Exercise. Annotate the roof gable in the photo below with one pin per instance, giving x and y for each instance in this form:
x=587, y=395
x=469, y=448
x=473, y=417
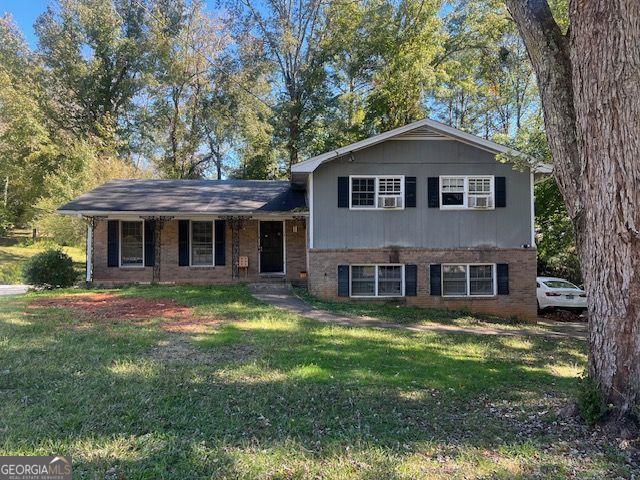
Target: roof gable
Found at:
x=425, y=129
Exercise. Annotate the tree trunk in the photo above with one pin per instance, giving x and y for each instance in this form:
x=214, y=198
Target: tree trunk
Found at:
x=605, y=55
x=590, y=88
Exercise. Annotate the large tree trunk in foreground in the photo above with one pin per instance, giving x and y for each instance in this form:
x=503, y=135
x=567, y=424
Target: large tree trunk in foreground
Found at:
x=589, y=83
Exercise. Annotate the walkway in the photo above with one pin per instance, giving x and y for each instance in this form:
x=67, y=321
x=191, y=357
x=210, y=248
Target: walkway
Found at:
x=13, y=289
x=282, y=297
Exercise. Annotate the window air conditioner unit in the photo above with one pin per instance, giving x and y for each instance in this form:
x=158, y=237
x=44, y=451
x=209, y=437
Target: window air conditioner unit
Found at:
x=390, y=202
x=480, y=201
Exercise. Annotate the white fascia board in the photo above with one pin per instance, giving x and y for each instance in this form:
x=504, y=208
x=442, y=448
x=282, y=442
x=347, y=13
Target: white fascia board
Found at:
x=130, y=213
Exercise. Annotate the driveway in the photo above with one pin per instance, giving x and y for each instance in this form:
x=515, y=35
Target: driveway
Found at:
x=13, y=290
x=282, y=297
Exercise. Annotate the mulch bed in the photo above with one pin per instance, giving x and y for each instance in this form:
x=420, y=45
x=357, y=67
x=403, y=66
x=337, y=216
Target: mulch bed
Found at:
x=111, y=307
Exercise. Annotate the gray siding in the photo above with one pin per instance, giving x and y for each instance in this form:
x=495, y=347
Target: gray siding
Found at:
x=421, y=227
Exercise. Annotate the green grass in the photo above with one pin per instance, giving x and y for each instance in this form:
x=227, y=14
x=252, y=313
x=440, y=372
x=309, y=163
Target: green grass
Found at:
x=267, y=394
x=12, y=259
x=407, y=315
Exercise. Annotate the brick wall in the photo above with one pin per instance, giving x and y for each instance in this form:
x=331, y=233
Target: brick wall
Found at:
x=521, y=301
x=170, y=272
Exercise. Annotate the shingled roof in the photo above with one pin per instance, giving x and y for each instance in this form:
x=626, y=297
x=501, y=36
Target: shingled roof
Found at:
x=189, y=196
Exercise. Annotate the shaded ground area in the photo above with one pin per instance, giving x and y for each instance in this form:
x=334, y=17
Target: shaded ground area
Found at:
x=269, y=394
x=332, y=312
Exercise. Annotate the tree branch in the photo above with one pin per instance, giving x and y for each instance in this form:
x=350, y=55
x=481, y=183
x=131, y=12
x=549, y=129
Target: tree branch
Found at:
x=549, y=53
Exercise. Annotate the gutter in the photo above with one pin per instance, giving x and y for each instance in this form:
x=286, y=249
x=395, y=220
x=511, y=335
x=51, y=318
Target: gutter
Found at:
x=143, y=213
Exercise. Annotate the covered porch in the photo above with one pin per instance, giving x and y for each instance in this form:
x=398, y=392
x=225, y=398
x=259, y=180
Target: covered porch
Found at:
x=124, y=249
x=194, y=231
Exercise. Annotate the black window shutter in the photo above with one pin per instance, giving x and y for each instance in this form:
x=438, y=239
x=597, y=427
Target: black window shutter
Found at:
x=343, y=280
x=149, y=243
x=435, y=279
x=343, y=192
x=503, y=278
x=183, y=243
x=501, y=191
x=433, y=187
x=410, y=192
x=113, y=242
x=411, y=280
x=220, y=242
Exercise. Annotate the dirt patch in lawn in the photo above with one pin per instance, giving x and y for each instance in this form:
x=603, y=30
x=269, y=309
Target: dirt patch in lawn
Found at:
x=110, y=307
x=177, y=349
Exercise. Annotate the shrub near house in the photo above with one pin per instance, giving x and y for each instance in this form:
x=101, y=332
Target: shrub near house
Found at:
x=50, y=269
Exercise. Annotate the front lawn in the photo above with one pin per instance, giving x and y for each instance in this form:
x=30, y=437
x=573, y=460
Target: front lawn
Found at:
x=233, y=388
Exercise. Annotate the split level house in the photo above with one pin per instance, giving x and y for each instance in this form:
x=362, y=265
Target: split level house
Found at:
x=424, y=214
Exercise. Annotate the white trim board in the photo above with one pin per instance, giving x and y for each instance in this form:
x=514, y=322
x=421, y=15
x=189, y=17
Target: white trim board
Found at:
x=116, y=214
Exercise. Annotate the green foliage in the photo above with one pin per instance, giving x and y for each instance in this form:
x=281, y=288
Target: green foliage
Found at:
x=50, y=269
x=591, y=404
x=184, y=112
x=10, y=274
x=557, y=255
x=488, y=87
x=95, y=52
x=27, y=151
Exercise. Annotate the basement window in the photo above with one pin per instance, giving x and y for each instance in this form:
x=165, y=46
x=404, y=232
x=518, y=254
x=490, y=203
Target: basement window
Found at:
x=377, y=280
x=468, y=280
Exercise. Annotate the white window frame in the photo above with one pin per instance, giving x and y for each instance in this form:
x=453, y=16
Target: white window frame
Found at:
x=120, y=265
x=467, y=265
x=213, y=244
x=376, y=193
x=375, y=288
x=465, y=194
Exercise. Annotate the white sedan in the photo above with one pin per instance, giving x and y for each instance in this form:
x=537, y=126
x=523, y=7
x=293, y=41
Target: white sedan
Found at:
x=559, y=293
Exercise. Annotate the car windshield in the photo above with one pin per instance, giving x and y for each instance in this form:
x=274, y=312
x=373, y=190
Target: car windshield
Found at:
x=559, y=284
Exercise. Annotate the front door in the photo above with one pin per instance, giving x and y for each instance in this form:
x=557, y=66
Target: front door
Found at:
x=271, y=247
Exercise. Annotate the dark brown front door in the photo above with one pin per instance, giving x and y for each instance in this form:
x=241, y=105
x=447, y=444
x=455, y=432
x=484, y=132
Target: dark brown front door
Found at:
x=271, y=247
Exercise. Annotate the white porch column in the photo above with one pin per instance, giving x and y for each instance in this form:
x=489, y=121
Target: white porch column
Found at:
x=89, y=262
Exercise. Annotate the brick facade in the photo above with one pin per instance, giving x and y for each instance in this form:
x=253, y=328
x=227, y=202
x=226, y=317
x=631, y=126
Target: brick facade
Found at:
x=521, y=301
x=323, y=267
x=170, y=272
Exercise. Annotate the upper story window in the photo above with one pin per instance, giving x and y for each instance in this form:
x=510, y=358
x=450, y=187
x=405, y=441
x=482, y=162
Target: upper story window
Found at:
x=462, y=192
x=202, y=244
x=376, y=192
x=132, y=244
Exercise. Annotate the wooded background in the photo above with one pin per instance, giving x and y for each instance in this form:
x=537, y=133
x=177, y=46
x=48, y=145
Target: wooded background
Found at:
x=171, y=89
